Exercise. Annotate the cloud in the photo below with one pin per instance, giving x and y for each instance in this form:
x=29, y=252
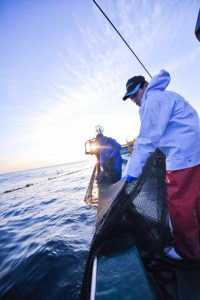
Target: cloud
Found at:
x=78, y=76
x=184, y=60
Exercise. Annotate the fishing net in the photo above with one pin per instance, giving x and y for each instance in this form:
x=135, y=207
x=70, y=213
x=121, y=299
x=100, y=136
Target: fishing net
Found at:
x=134, y=212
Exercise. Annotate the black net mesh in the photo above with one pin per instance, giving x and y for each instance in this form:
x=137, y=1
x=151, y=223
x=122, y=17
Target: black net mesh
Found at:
x=138, y=212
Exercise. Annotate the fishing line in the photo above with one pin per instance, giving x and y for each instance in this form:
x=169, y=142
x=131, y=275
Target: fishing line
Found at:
x=122, y=37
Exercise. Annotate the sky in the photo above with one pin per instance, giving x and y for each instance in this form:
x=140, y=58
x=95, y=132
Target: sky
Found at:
x=63, y=70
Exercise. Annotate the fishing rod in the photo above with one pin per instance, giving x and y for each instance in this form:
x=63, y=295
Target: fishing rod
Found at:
x=122, y=37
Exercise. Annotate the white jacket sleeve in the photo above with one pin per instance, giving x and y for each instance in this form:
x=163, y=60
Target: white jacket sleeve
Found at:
x=155, y=115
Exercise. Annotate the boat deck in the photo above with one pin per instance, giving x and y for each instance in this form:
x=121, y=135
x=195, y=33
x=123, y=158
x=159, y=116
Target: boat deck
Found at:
x=121, y=273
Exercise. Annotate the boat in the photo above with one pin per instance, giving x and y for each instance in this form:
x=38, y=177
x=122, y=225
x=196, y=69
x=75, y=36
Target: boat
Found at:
x=126, y=259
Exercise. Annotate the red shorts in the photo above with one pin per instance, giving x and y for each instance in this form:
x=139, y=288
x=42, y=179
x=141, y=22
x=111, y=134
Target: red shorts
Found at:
x=183, y=197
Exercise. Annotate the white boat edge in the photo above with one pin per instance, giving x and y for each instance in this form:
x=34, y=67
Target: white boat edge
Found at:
x=94, y=279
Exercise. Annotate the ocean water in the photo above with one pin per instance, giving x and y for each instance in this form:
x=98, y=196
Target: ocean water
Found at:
x=45, y=232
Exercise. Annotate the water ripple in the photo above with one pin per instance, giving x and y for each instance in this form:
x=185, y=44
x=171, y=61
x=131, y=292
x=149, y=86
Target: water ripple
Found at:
x=45, y=232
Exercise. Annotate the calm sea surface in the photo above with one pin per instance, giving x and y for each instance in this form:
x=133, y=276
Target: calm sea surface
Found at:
x=45, y=232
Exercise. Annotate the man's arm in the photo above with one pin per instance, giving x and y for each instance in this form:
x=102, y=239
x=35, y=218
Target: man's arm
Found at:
x=155, y=118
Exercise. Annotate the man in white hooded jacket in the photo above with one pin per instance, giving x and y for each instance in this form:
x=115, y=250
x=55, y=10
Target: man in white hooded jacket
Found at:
x=170, y=123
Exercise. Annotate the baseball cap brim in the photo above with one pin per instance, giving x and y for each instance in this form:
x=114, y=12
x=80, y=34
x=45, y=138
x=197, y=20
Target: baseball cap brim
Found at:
x=131, y=92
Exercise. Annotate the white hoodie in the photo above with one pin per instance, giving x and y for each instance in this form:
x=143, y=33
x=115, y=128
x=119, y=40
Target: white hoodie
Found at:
x=168, y=122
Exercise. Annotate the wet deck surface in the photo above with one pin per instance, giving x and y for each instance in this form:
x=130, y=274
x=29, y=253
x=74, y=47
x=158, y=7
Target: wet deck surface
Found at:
x=107, y=194
x=102, y=193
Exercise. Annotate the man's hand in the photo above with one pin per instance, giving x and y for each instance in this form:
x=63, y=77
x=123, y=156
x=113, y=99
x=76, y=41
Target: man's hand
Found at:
x=129, y=178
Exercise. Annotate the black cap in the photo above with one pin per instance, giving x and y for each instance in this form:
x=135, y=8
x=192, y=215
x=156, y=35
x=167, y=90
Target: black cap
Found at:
x=133, y=85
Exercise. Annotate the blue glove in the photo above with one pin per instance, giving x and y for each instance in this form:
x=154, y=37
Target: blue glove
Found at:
x=129, y=178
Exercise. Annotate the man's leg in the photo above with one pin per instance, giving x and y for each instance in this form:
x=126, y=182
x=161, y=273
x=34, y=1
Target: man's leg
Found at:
x=183, y=195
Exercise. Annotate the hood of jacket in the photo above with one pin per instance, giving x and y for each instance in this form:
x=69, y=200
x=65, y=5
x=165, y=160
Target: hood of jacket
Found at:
x=158, y=82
